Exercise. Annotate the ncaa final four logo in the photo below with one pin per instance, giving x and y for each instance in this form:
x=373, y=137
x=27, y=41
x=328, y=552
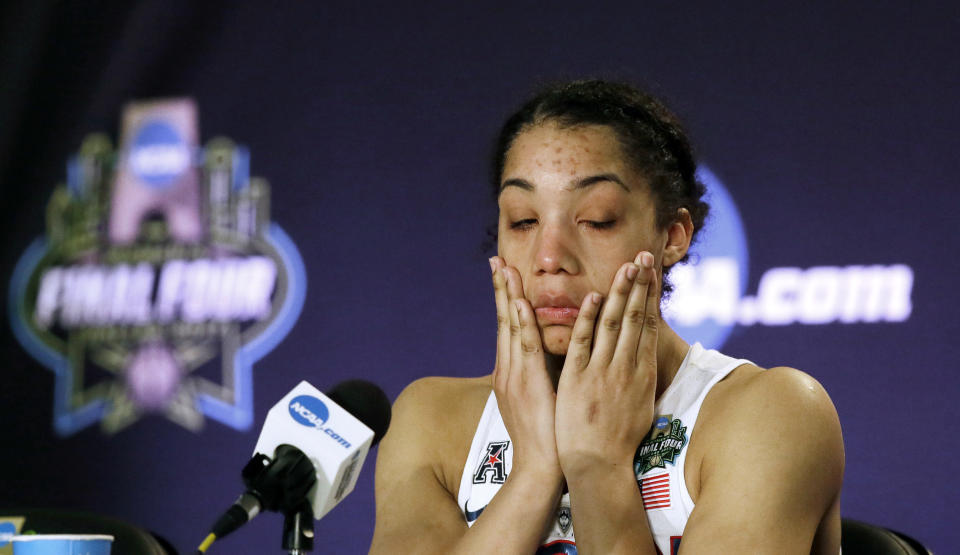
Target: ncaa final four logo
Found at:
x=160, y=280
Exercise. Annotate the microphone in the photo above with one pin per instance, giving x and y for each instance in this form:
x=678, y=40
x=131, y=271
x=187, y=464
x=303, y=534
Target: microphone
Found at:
x=308, y=456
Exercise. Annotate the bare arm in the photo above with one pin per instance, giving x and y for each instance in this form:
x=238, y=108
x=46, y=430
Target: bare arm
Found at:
x=772, y=471
x=416, y=497
x=608, y=396
x=769, y=481
x=773, y=460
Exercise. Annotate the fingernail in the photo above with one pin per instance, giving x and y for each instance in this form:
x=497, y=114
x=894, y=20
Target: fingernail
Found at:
x=632, y=272
x=516, y=304
x=646, y=259
x=595, y=298
x=493, y=266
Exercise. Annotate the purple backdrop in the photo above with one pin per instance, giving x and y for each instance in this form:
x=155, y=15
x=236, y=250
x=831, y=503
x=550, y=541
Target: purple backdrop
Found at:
x=830, y=127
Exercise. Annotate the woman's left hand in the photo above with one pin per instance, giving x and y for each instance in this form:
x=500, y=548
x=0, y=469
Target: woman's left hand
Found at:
x=605, y=395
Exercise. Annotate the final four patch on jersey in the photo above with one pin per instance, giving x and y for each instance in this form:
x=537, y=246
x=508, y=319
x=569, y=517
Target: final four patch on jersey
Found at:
x=663, y=445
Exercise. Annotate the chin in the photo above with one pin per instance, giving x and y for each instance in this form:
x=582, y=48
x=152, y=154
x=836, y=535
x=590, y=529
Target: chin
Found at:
x=556, y=339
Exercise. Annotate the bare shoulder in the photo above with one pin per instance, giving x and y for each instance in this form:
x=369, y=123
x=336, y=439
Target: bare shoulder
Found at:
x=437, y=393
x=420, y=460
x=438, y=416
x=782, y=412
x=783, y=408
x=777, y=393
x=445, y=403
x=769, y=450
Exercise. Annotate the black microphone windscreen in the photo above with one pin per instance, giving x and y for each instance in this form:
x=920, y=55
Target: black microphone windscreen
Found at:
x=366, y=402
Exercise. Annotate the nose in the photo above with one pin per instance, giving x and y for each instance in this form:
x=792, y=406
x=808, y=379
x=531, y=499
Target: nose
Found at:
x=555, y=251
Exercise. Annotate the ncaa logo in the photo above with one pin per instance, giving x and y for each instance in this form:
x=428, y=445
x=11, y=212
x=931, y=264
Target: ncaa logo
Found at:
x=709, y=296
x=706, y=293
x=152, y=249
x=309, y=411
x=158, y=155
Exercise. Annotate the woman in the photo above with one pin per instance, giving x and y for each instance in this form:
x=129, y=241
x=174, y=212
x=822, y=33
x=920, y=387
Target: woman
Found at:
x=593, y=394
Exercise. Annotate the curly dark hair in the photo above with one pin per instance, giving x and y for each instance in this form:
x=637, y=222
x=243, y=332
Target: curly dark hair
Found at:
x=652, y=138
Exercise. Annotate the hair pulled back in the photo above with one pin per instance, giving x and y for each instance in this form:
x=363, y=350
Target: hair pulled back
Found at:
x=651, y=136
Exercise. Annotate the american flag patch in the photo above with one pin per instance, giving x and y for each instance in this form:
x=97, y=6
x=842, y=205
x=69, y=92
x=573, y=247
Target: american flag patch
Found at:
x=655, y=491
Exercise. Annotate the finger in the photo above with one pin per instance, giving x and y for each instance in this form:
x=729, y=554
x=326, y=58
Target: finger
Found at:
x=514, y=283
x=611, y=315
x=516, y=348
x=634, y=312
x=647, y=350
x=503, y=317
x=531, y=346
x=581, y=338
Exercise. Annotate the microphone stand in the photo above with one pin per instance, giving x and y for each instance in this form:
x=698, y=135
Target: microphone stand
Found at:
x=282, y=484
x=298, y=529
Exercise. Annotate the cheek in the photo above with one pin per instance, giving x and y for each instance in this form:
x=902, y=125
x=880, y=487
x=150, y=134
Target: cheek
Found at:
x=512, y=248
x=515, y=254
x=606, y=260
x=504, y=239
x=602, y=274
x=508, y=252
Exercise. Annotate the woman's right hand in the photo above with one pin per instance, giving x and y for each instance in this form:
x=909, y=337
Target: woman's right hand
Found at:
x=525, y=392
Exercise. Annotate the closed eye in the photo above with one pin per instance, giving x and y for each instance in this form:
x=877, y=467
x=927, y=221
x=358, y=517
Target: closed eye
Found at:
x=607, y=224
x=523, y=225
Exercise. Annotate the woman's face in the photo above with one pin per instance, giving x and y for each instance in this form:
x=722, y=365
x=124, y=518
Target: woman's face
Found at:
x=572, y=211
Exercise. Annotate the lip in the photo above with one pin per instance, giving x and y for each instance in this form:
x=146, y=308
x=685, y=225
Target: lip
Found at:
x=556, y=309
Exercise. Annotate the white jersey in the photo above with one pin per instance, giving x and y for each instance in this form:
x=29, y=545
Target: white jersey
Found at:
x=658, y=462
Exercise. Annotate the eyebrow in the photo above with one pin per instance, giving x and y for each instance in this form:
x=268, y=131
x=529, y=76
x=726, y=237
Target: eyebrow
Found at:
x=594, y=179
x=581, y=183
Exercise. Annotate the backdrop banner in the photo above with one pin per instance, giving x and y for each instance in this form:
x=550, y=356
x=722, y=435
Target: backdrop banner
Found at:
x=205, y=204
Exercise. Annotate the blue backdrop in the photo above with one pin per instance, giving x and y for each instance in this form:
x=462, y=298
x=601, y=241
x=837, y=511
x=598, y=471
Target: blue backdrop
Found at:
x=830, y=127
